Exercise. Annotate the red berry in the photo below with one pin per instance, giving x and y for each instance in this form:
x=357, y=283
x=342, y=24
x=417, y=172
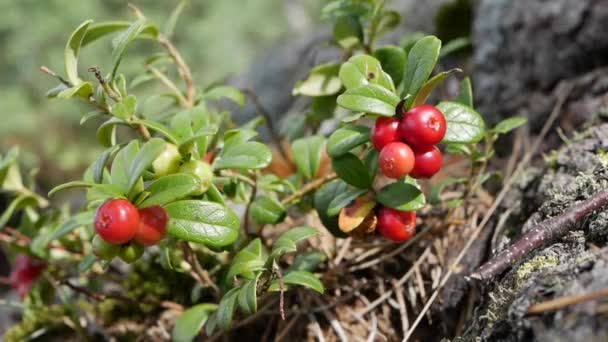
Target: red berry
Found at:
x=423, y=125
x=427, y=162
x=152, y=225
x=25, y=271
x=117, y=221
x=395, y=225
x=385, y=132
x=396, y=160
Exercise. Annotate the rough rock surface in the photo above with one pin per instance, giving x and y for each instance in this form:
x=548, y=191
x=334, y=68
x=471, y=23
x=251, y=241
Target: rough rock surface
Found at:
x=575, y=264
x=523, y=48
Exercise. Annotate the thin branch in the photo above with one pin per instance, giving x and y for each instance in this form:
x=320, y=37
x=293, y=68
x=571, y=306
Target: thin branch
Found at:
x=310, y=187
x=542, y=234
x=277, y=271
x=104, y=84
x=182, y=68
x=501, y=195
x=268, y=118
x=54, y=74
x=562, y=302
x=201, y=274
x=169, y=84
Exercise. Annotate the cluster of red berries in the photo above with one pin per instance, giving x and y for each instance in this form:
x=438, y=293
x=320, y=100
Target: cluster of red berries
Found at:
x=407, y=147
x=24, y=274
x=125, y=230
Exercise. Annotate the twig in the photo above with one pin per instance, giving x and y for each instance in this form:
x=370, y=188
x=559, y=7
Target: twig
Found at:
x=169, y=84
x=287, y=328
x=277, y=271
x=316, y=327
x=269, y=122
x=310, y=187
x=562, y=302
x=543, y=233
x=402, y=309
x=202, y=275
x=104, y=84
x=54, y=74
x=334, y=322
x=506, y=187
x=182, y=68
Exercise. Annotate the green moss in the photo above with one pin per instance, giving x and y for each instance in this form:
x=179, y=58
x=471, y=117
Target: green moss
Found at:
x=535, y=264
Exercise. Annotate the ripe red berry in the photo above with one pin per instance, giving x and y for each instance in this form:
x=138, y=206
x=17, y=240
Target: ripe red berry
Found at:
x=385, y=132
x=117, y=221
x=395, y=225
x=396, y=160
x=423, y=125
x=152, y=225
x=427, y=162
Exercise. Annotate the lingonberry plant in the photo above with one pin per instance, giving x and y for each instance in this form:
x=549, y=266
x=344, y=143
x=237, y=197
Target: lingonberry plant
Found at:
x=165, y=189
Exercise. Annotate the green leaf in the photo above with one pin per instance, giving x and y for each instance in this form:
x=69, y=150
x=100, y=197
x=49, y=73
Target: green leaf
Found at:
x=170, y=188
x=203, y=222
x=206, y=131
x=303, y=278
x=371, y=163
x=88, y=116
x=123, y=43
x=55, y=91
x=172, y=21
x=249, y=155
x=100, y=164
x=125, y=109
x=343, y=199
x=322, y=80
x=267, y=210
x=388, y=21
x=466, y=93
x=307, y=153
x=370, y=98
x=226, y=308
x=464, y=124
x=402, y=196
x=431, y=84
x=287, y=243
x=308, y=261
x=121, y=166
x=148, y=153
x=99, y=30
x=72, y=49
x=181, y=125
x=363, y=70
x=74, y=222
x=247, y=299
x=87, y=263
x=83, y=90
x=227, y=92
x=106, y=133
x=160, y=128
x=454, y=45
x=350, y=169
x=420, y=64
x=236, y=137
x=190, y=322
x=346, y=138
x=248, y=261
x=19, y=202
x=435, y=195
x=393, y=59
x=70, y=185
x=348, y=31
x=507, y=125
x=323, y=197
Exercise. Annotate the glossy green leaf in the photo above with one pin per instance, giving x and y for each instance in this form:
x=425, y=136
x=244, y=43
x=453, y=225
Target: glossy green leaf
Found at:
x=123, y=43
x=301, y=278
x=350, y=169
x=362, y=70
x=343, y=199
x=420, y=64
x=160, y=128
x=431, y=84
x=464, y=124
x=172, y=21
x=106, y=133
x=307, y=153
x=393, y=59
x=248, y=261
x=181, y=125
x=322, y=80
x=466, y=93
x=388, y=21
x=235, y=137
x=191, y=321
x=226, y=308
x=99, y=30
x=100, y=164
x=170, y=188
x=72, y=49
x=371, y=99
x=17, y=203
x=371, y=163
x=322, y=199
x=249, y=155
x=346, y=138
x=121, y=166
x=509, y=124
x=348, y=31
x=267, y=210
x=125, y=109
x=56, y=90
x=83, y=90
x=247, y=298
x=70, y=185
x=454, y=45
x=203, y=222
x=401, y=195
x=287, y=242
x=74, y=222
x=308, y=261
x=227, y=92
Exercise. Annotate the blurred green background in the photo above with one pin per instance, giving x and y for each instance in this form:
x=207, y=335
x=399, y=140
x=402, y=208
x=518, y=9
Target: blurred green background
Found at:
x=217, y=38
